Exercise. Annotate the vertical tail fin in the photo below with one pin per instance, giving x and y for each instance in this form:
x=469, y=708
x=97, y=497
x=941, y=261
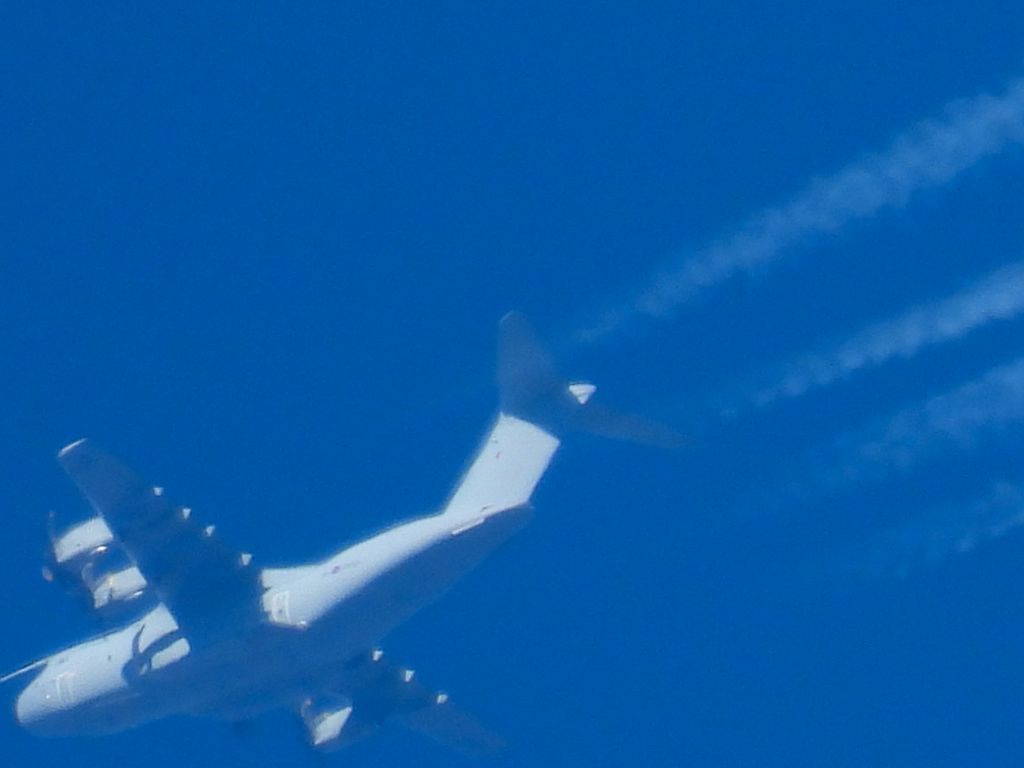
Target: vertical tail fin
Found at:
x=529, y=385
x=531, y=389
x=538, y=406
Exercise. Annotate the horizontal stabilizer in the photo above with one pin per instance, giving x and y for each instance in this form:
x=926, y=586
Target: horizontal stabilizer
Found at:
x=532, y=389
x=602, y=421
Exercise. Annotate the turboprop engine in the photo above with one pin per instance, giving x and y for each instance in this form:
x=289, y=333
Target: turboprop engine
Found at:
x=88, y=559
x=333, y=723
x=383, y=692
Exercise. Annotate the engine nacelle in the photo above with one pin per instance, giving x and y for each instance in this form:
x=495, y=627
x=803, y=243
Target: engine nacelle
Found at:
x=80, y=542
x=334, y=723
x=88, y=560
x=109, y=587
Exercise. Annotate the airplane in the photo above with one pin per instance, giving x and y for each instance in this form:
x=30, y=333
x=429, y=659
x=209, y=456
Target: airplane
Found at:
x=216, y=636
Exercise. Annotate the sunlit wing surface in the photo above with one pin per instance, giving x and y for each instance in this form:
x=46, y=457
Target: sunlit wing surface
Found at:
x=203, y=582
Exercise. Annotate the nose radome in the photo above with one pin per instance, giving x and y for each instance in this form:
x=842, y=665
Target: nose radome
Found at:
x=22, y=710
x=30, y=707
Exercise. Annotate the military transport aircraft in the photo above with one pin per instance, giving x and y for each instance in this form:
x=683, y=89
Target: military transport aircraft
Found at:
x=200, y=630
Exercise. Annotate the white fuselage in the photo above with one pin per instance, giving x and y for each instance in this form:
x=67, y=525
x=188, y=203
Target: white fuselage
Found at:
x=316, y=619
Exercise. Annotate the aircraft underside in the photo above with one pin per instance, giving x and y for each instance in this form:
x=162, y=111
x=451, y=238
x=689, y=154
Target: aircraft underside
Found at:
x=196, y=627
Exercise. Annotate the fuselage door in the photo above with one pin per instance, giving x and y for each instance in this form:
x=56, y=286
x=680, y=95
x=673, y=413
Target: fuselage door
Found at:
x=280, y=608
x=65, y=684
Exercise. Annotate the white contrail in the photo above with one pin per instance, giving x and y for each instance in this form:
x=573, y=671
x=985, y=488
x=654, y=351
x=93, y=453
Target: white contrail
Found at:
x=998, y=296
x=943, y=534
x=959, y=418
x=930, y=154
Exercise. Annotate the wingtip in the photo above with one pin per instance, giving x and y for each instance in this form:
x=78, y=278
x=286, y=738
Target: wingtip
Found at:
x=512, y=316
x=514, y=325
x=23, y=671
x=70, y=447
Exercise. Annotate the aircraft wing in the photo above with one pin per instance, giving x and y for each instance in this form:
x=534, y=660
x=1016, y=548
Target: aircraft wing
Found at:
x=204, y=583
x=448, y=725
x=382, y=692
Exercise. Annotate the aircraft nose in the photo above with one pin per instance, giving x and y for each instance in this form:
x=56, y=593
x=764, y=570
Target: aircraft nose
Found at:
x=24, y=712
x=32, y=707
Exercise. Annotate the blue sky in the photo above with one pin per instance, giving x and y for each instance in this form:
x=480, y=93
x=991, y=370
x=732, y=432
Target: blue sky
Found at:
x=260, y=250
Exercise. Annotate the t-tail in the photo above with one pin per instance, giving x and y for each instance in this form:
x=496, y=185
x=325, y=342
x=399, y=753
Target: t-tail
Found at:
x=532, y=389
x=537, y=408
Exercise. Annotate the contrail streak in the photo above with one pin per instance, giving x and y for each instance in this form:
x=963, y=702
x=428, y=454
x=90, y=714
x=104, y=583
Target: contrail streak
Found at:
x=929, y=155
x=943, y=534
x=959, y=418
x=998, y=296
